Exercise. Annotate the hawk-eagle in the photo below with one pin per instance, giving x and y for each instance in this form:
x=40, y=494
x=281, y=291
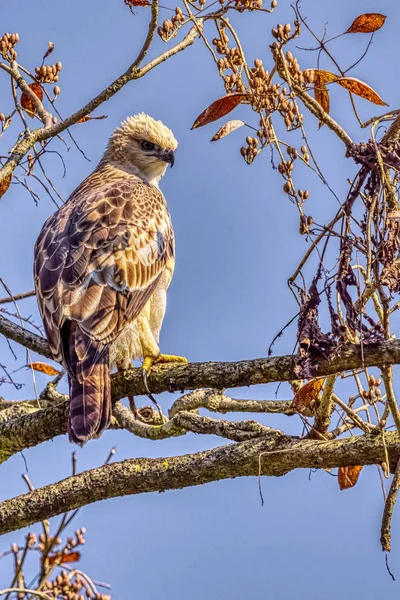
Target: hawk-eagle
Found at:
x=103, y=263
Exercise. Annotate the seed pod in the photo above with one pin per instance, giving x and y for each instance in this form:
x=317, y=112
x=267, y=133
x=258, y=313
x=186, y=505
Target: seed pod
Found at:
x=274, y=33
x=274, y=4
x=378, y=392
x=378, y=381
x=287, y=28
x=59, y=66
x=306, y=194
x=307, y=158
x=310, y=220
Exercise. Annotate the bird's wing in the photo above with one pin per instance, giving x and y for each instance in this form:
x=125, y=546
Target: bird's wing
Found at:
x=98, y=260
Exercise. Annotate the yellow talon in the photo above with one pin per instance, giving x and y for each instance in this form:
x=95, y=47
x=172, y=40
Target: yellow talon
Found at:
x=166, y=358
x=149, y=361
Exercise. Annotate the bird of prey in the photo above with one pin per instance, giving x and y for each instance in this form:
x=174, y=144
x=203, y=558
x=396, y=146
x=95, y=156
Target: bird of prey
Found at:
x=102, y=266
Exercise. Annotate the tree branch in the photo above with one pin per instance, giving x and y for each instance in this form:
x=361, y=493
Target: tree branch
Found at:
x=223, y=375
x=271, y=455
x=216, y=401
x=133, y=72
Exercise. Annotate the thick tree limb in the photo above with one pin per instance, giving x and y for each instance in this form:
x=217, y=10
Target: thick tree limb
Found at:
x=222, y=375
x=24, y=425
x=271, y=455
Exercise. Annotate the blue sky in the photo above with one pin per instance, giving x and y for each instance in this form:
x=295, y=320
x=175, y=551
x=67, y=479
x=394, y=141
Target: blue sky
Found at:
x=237, y=243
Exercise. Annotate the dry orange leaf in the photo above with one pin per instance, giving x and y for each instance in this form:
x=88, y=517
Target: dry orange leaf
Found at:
x=131, y=3
x=321, y=93
x=44, y=368
x=355, y=86
x=5, y=184
x=26, y=101
x=89, y=118
x=367, y=23
x=227, y=129
x=348, y=477
x=307, y=394
x=219, y=108
x=324, y=76
x=62, y=558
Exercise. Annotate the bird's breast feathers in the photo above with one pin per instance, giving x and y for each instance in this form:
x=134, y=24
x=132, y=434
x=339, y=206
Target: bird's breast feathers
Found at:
x=99, y=257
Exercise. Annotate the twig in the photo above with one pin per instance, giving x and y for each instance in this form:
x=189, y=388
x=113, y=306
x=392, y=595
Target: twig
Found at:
x=388, y=510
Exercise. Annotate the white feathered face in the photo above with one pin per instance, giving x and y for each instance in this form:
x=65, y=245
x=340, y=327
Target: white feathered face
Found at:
x=144, y=144
x=144, y=153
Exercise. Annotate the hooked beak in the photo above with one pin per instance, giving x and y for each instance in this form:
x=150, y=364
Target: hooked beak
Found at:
x=168, y=156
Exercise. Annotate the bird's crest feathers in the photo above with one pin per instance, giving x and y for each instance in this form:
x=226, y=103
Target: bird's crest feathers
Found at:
x=141, y=126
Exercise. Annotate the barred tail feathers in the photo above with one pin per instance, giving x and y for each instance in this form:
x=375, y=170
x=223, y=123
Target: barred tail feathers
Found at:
x=90, y=403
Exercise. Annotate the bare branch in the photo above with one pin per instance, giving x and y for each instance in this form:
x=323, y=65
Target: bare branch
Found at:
x=276, y=455
x=216, y=401
x=17, y=297
x=133, y=72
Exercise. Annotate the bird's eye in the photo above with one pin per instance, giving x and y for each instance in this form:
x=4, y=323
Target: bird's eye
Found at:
x=147, y=145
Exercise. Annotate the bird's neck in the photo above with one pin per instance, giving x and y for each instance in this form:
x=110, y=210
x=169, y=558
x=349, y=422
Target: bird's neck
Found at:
x=151, y=174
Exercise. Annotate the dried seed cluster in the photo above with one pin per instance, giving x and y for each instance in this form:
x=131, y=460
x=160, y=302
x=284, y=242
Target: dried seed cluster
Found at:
x=243, y=5
x=170, y=27
x=283, y=33
x=7, y=43
x=232, y=59
x=250, y=151
x=72, y=586
x=48, y=73
x=374, y=393
x=301, y=77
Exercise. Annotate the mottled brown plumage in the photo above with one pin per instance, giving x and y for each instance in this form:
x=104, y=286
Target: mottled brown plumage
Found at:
x=103, y=263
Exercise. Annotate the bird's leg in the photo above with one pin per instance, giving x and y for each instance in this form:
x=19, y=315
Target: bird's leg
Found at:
x=151, y=353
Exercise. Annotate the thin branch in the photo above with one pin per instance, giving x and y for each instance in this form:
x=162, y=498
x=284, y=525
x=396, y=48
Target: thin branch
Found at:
x=388, y=510
x=133, y=72
x=216, y=401
x=17, y=297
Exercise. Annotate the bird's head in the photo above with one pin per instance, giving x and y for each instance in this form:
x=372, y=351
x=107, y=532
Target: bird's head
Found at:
x=143, y=146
